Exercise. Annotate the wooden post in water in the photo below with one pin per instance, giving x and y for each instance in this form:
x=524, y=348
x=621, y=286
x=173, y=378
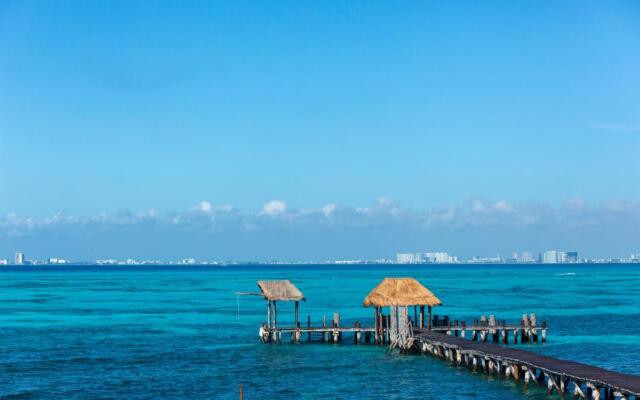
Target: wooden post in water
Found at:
x=505, y=333
x=325, y=334
x=241, y=394
x=296, y=315
x=483, y=332
x=275, y=321
x=493, y=330
x=429, y=321
x=422, y=317
x=387, y=319
x=275, y=315
x=534, y=327
x=269, y=323
x=336, y=324
x=463, y=331
x=375, y=324
x=268, y=313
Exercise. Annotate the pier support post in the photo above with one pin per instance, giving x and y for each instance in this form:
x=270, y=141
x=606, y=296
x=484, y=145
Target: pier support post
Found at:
x=376, y=325
x=422, y=317
x=577, y=391
x=528, y=375
x=429, y=321
x=268, y=313
x=336, y=324
x=524, y=325
x=275, y=315
x=543, y=332
x=504, y=333
x=595, y=391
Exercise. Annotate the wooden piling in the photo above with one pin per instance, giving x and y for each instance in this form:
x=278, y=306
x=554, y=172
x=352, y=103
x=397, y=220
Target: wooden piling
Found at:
x=268, y=313
x=483, y=331
x=504, y=333
x=524, y=324
x=534, y=329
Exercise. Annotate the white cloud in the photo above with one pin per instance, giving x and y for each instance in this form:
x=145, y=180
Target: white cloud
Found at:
x=205, y=207
x=502, y=206
x=382, y=214
x=274, y=207
x=477, y=205
x=327, y=209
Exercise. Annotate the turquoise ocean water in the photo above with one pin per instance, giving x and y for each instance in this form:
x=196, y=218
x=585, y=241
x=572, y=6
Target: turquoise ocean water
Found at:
x=167, y=332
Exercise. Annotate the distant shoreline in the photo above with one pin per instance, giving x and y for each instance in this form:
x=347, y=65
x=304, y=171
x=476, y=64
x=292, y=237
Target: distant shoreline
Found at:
x=77, y=266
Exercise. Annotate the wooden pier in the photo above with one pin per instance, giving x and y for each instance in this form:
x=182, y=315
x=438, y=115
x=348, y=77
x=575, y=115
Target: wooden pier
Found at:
x=581, y=380
x=478, y=345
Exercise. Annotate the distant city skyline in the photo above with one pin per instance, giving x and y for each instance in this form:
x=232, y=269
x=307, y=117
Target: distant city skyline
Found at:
x=547, y=257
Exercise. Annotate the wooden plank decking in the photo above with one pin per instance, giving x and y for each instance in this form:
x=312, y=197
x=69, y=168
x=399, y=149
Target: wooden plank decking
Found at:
x=624, y=383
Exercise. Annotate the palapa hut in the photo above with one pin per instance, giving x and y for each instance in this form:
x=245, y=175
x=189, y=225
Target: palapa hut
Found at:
x=400, y=293
x=281, y=290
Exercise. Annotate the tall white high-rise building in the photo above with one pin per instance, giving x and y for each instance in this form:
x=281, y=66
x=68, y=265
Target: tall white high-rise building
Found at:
x=554, y=257
x=440, y=257
x=526, y=257
x=19, y=258
x=408, y=258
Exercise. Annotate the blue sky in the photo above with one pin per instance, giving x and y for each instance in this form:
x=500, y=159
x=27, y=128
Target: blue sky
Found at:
x=126, y=107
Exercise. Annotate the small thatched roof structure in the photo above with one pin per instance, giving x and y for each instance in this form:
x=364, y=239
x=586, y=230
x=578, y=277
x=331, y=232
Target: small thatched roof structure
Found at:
x=280, y=290
x=401, y=292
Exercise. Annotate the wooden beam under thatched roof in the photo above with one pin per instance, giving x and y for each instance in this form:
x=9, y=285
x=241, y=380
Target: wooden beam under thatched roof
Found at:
x=282, y=290
x=401, y=292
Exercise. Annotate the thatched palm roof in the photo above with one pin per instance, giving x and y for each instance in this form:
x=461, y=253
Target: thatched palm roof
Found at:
x=280, y=290
x=401, y=292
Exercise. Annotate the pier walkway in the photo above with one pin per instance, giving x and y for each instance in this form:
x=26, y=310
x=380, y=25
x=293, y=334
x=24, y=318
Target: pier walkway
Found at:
x=588, y=381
